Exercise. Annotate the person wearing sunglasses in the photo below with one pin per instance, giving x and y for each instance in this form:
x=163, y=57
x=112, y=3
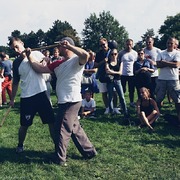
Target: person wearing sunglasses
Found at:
x=113, y=69
x=100, y=61
x=142, y=69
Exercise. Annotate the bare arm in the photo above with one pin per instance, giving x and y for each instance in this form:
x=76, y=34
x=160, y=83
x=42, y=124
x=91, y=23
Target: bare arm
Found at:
x=164, y=63
x=109, y=71
x=14, y=91
x=37, y=66
x=155, y=106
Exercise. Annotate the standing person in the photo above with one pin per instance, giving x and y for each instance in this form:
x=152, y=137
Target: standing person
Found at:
x=147, y=109
x=142, y=71
x=151, y=54
x=56, y=56
x=127, y=57
x=169, y=61
x=113, y=69
x=89, y=72
x=46, y=76
x=100, y=64
x=6, y=72
x=33, y=92
x=68, y=88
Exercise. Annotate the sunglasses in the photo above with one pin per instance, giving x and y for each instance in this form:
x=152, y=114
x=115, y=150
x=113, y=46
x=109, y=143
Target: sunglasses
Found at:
x=102, y=45
x=113, y=54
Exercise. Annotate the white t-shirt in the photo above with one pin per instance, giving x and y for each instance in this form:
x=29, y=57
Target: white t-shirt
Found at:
x=68, y=85
x=127, y=61
x=168, y=73
x=153, y=53
x=88, y=104
x=32, y=83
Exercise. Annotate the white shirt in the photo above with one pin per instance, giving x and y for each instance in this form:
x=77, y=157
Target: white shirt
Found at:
x=127, y=61
x=32, y=83
x=68, y=85
x=153, y=53
x=168, y=73
x=88, y=104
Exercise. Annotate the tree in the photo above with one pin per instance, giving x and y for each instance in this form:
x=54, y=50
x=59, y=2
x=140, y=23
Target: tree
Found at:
x=142, y=43
x=103, y=26
x=59, y=30
x=171, y=27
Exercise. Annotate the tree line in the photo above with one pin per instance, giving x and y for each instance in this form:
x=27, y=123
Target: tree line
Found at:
x=103, y=25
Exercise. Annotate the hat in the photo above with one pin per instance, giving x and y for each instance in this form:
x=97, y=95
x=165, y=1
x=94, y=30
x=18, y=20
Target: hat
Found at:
x=70, y=40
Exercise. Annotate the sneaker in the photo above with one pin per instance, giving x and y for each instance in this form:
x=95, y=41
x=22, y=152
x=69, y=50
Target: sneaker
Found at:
x=119, y=107
x=106, y=111
x=19, y=149
x=91, y=155
x=79, y=117
x=116, y=111
x=62, y=163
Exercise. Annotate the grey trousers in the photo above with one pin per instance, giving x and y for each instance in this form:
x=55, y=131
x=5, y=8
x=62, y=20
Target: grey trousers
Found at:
x=68, y=126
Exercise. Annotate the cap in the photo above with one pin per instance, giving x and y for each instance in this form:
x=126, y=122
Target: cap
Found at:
x=70, y=40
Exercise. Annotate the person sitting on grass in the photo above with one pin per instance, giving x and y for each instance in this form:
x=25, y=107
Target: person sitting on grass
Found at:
x=88, y=107
x=147, y=109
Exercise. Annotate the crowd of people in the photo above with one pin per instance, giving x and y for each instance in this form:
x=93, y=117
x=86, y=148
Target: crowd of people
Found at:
x=75, y=75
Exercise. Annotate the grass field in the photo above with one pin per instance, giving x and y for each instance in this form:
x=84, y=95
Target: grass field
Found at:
x=124, y=152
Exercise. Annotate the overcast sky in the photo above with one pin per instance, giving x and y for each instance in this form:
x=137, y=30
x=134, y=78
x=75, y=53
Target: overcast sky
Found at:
x=135, y=15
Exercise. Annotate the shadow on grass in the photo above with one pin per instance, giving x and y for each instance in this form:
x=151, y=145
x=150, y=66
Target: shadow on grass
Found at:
x=172, y=144
x=30, y=156
x=27, y=157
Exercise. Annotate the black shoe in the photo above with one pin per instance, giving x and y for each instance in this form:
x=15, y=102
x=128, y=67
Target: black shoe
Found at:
x=91, y=155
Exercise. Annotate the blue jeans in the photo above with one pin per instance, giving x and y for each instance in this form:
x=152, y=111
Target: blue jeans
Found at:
x=117, y=85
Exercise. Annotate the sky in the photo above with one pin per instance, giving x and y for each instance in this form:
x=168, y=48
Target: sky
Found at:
x=135, y=15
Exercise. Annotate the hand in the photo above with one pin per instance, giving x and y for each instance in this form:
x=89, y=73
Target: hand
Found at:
x=28, y=51
x=64, y=44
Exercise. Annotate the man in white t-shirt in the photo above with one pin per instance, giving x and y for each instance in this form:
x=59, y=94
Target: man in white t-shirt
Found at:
x=127, y=57
x=151, y=53
x=168, y=61
x=68, y=89
x=33, y=92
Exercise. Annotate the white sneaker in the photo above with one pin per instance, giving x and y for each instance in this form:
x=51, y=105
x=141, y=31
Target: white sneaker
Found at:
x=106, y=111
x=116, y=111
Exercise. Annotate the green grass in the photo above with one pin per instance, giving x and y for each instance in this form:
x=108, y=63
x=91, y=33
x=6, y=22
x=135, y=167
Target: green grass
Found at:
x=124, y=152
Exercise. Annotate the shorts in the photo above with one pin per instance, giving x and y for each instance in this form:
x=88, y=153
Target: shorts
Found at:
x=37, y=103
x=170, y=86
x=102, y=87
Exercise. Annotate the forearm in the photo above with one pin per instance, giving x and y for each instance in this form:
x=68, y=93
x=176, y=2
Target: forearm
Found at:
x=83, y=55
x=14, y=91
x=38, y=67
x=164, y=63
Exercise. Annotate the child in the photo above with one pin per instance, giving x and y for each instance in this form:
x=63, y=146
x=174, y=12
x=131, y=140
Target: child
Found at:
x=88, y=107
x=147, y=108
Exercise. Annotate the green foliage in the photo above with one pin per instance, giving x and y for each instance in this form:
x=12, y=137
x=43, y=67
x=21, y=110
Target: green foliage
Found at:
x=59, y=30
x=103, y=26
x=170, y=28
x=124, y=152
